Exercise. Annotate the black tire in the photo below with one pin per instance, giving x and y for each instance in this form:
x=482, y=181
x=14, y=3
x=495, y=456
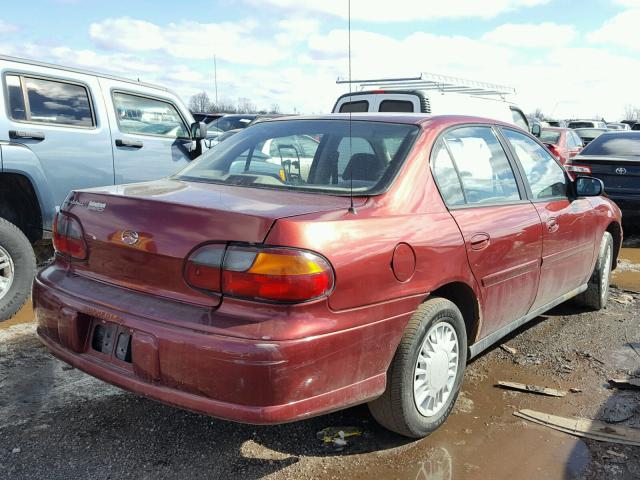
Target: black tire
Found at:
x=597, y=294
x=396, y=409
x=13, y=241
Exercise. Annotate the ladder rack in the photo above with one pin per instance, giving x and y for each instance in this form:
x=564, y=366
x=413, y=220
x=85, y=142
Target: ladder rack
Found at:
x=432, y=81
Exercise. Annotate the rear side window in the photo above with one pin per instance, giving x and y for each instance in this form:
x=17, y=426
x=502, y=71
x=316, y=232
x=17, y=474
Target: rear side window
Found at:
x=482, y=165
x=355, y=107
x=55, y=102
x=396, y=106
x=550, y=136
x=148, y=116
x=446, y=176
x=546, y=178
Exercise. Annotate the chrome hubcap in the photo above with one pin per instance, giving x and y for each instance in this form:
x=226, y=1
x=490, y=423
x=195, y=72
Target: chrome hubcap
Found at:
x=6, y=272
x=436, y=369
x=606, y=273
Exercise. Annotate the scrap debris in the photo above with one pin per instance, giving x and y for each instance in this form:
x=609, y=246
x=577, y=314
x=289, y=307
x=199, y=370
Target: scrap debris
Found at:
x=509, y=349
x=551, y=392
x=337, y=435
x=625, y=383
x=583, y=427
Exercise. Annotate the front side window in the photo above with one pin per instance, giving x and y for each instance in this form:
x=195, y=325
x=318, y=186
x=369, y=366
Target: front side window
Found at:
x=545, y=177
x=148, y=116
x=519, y=119
x=49, y=101
x=483, y=166
x=329, y=156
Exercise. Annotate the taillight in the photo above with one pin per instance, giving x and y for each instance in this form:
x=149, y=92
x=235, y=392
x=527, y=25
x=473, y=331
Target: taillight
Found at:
x=68, y=238
x=574, y=170
x=272, y=274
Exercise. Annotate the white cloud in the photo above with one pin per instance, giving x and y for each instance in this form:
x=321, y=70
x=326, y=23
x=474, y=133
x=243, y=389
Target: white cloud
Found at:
x=230, y=41
x=621, y=30
x=528, y=35
x=403, y=10
x=295, y=29
x=7, y=28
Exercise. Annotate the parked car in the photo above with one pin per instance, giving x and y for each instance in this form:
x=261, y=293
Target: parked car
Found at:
x=557, y=123
x=237, y=291
x=232, y=121
x=618, y=126
x=434, y=94
x=614, y=157
x=206, y=117
x=64, y=128
x=588, y=134
x=635, y=126
x=587, y=124
x=563, y=143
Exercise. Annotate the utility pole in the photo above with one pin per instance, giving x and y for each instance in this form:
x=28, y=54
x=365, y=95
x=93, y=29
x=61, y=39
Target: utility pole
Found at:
x=215, y=77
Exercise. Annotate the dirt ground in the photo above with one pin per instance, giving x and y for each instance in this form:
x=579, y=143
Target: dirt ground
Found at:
x=58, y=423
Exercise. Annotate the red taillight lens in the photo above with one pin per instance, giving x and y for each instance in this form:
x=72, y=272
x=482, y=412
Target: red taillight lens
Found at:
x=204, y=266
x=68, y=238
x=260, y=273
x=575, y=170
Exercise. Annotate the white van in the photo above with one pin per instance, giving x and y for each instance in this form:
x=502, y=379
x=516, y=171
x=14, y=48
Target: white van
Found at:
x=436, y=94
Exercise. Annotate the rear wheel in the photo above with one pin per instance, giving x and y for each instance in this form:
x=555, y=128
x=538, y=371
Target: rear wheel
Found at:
x=597, y=292
x=425, y=375
x=17, y=269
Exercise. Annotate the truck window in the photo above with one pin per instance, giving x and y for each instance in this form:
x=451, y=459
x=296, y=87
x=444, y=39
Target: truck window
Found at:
x=148, y=116
x=396, y=106
x=355, y=107
x=519, y=119
x=49, y=101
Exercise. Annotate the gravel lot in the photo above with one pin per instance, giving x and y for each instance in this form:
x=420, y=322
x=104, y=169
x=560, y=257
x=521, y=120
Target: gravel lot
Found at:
x=58, y=423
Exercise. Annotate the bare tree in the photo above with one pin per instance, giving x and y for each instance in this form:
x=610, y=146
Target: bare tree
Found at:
x=200, y=102
x=275, y=108
x=245, y=105
x=631, y=112
x=537, y=113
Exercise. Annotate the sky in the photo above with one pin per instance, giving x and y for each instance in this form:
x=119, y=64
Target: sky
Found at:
x=568, y=58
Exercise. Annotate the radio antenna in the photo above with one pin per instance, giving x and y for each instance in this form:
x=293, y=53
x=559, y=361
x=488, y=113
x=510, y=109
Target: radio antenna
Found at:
x=352, y=208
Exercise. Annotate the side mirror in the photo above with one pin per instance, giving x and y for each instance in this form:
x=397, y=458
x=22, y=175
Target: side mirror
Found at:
x=536, y=130
x=198, y=131
x=589, y=187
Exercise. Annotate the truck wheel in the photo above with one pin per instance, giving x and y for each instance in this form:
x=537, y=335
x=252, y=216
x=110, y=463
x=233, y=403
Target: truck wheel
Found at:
x=597, y=292
x=425, y=375
x=17, y=269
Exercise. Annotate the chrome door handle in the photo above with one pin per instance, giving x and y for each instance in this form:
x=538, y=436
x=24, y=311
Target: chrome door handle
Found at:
x=128, y=143
x=480, y=241
x=24, y=134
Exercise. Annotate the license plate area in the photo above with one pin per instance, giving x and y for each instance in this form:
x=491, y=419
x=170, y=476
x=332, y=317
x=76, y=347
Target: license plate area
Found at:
x=111, y=341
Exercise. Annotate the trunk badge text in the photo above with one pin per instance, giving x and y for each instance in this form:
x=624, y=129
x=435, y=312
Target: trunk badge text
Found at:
x=621, y=171
x=95, y=206
x=130, y=237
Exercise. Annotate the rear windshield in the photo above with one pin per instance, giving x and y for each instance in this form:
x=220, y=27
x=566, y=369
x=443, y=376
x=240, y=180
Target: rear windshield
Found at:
x=615, y=144
x=549, y=136
x=589, y=132
x=330, y=156
x=581, y=124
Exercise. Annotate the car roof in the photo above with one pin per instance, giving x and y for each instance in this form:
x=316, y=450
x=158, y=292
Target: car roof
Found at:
x=392, y=117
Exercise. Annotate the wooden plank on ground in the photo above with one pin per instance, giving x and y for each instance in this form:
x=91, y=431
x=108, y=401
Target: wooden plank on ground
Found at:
x=550, y=392
x=583, y=427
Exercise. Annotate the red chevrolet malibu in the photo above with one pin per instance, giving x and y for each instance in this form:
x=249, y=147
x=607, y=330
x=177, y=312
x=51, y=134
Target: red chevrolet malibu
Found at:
x=305, y=265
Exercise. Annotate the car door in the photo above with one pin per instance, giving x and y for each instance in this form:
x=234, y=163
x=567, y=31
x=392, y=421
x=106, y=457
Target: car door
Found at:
x=60, y=117
x=500, y=227
x=151, y=137
x=568, y=243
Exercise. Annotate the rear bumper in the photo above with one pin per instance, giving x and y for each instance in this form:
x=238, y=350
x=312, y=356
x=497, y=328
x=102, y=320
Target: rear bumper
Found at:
x=239, y=379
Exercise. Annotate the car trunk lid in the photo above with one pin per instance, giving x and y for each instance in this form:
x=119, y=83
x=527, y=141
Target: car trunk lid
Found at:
x=621, y=175
x=139, y=235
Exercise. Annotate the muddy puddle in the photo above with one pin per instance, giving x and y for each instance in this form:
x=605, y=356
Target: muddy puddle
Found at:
x=627, y=275
x=25, y=315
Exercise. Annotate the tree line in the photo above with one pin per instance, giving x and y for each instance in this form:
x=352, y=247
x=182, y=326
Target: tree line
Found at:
x=201, y=103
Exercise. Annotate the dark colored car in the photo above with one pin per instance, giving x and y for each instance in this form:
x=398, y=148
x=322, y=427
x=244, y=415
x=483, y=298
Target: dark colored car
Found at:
x=267, y=295
x=206, y=117
x=233, y=121
x=614, y=157
x=588, y=134
x=563, y=143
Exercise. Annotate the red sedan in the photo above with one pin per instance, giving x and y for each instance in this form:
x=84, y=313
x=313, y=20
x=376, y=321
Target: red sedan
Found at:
x=252, y=289
x=563, y=143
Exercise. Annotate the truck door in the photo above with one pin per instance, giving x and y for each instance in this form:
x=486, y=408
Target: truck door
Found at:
x=150, y=130
x=61, y=118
